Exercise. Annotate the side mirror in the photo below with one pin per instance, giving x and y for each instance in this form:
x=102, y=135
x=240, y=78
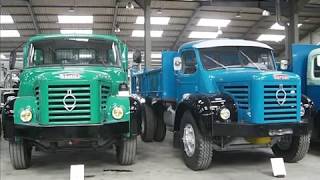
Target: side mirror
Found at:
x=13, y=59
x=318, y=60
x=136, y=56
x=177, y=64
x=284, y=64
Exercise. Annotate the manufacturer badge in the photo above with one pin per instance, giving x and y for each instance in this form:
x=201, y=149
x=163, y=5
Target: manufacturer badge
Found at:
x=281, y=92
x=72, y=101
x=70, y=76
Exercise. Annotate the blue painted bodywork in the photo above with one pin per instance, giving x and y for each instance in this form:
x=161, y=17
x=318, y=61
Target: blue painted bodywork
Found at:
x=253, y=90
x=299, y=65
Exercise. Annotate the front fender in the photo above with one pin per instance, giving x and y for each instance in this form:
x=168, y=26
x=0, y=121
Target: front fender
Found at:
x=205, y=109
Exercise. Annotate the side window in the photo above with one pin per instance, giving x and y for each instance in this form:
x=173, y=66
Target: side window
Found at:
x=316, y=67
x=188, y=62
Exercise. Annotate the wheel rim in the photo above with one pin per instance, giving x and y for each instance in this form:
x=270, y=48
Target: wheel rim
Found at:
x=285, y=142
x=189, y=140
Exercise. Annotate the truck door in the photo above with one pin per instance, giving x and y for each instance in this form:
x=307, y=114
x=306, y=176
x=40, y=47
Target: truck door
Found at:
x=313, y=77
x=187, y=76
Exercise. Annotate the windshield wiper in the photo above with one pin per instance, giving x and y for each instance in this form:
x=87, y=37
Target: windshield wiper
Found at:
x=249, y=59
x=215, y=61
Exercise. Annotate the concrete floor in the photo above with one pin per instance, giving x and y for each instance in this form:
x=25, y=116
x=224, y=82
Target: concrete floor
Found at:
x=158, y=161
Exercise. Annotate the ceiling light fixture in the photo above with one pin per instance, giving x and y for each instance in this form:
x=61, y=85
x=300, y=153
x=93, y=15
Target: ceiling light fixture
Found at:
x=9, y=33
x=6, y=19
x=129, y=5
x=154, y=20
x=238, y=15
x=213, y=22
x=219, y=31
x=271, y=37
x=62, y=19
x=159, y=11
x=117, y=28
x=140, y=33
x=76, y=31
x=265, y=13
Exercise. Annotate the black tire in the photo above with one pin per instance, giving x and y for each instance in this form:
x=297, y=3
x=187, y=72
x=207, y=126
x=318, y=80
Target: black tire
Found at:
x=202, y=156
x=160, y=129
x=20, y=154
x=148, y=124
x=295, y=149
x=126, y=150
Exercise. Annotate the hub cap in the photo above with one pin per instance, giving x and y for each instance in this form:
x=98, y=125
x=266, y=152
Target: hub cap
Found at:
x=189, y=140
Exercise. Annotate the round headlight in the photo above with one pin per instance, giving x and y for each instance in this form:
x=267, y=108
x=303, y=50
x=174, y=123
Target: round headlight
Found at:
x=26, y=115
x=225, y=113
x=117, y=112
x=302, y=111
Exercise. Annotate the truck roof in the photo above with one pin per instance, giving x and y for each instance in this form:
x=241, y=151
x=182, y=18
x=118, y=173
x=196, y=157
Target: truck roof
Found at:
x=222, y=42
x=55, y=36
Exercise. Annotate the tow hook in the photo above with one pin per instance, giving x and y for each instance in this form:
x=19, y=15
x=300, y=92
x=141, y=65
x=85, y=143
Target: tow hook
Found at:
x=280, y=132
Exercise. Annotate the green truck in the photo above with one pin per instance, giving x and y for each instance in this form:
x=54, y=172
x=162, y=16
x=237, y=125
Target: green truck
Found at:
x=73, y=94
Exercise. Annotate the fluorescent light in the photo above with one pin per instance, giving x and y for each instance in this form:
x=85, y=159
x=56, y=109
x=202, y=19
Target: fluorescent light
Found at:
x=154, y=20
x=213, y=22
x=2, y=56
x=271, y=37
x=76, y=31
x=140, y=33
x=299, y=25
x=6, y=19
x=9, y=33
x=156, y=55
x=203, y=35
x=75, y=19
x=277, y=26
x=265, y=13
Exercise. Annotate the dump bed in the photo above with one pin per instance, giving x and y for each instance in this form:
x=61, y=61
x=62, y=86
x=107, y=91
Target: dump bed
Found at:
x=156, y=83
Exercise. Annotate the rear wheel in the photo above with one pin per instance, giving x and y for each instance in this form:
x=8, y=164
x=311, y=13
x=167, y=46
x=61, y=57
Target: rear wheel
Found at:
x=160, y=130
x=147, y=124
x=197, y=149
x=126, y=150
x=20, y=154
x=292, y=148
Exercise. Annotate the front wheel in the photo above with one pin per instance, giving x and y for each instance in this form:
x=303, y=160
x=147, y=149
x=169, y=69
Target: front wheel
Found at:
x=20, y=154
x=147, y=124
x=292, y=148
x=197, y=149
x=126, y=150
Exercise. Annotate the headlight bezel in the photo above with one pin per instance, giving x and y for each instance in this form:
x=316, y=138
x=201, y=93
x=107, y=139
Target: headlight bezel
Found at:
x=225, y=113
x=26, y=115
x=117, y=112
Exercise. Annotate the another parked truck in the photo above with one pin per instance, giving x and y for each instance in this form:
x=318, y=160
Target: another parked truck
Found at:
x=73, y=94
x=306, y=63
x=221, y=95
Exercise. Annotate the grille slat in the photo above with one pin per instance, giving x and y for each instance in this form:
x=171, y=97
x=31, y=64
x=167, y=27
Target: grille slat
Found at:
x=275, y=111
x=240, y=95
x=105, y=91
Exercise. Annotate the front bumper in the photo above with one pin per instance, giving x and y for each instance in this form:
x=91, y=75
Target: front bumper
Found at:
x=71, y=132
x=258, y=130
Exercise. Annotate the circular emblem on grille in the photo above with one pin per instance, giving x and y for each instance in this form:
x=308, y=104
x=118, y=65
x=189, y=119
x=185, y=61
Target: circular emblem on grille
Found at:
x=281, y=95
x=69, y=101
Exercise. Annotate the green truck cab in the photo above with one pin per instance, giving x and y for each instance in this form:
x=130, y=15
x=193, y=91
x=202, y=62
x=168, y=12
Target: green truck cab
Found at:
x=73, y=94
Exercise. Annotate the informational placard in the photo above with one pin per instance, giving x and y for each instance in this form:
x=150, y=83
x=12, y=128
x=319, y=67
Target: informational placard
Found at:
x=278, y=167
x=77, y=172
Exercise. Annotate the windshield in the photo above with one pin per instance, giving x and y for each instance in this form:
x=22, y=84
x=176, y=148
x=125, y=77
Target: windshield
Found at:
x=228, y=57
x=73, y=51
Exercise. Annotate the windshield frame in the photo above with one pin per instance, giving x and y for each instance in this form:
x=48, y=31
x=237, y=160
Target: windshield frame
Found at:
x=29, y=44
x=226, y=67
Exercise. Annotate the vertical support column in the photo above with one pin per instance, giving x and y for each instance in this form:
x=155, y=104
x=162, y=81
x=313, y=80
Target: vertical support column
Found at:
x=292, y=32
x=147, y=36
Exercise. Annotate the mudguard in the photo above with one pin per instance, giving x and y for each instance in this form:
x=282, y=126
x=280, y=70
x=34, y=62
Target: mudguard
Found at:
x=135, y=116
x=8, y=120
x=205, y=109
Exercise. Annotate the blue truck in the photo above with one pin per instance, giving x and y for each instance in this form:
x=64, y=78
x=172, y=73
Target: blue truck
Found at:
x=306, y=63
x=222, y=95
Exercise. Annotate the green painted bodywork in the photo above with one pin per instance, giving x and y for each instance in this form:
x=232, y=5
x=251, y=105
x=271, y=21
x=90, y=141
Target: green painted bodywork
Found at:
x=92, y=79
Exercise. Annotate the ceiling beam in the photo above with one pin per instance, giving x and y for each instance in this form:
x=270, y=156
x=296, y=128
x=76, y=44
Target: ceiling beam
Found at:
x=34, y=20
x=300, y=5
x=254, y=27
x=186, y=27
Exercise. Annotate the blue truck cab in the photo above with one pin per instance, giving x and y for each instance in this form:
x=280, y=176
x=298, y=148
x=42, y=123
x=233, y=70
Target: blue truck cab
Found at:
x=306, y=63
x=221, y=95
